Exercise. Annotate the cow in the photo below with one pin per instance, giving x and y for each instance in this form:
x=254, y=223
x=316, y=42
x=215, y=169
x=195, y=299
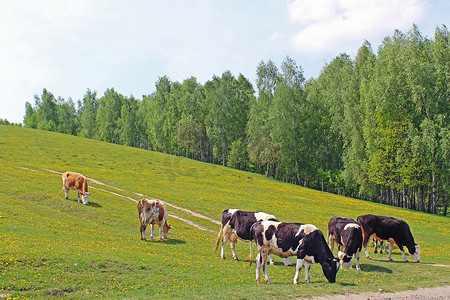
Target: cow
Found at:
x=236, y=225
x=153, y=212
x=347, y=233
x=395, y=231
x=77, y=182
x=292, y=239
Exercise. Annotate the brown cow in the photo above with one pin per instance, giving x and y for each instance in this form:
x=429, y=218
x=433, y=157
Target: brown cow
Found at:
x=77, y=182
x=153, y=212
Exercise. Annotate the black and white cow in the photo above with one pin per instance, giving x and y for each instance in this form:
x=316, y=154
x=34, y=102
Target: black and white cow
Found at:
x=236, y=224
x=293, y=239
x=348, y=234
x=389, y=229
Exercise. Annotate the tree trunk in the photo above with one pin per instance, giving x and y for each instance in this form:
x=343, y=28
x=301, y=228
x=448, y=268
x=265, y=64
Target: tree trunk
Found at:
x=434, y=195
x=445, y=203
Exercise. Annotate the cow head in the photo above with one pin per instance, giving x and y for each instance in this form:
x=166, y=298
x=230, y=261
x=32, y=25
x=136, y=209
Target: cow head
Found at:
x=166, y=228
x=415, y=253
x=330, y=268
x=345, y=260
x=85, y=198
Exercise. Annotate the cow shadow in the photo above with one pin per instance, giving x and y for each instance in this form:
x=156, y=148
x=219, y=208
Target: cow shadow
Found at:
x=374, y=268
x=90, y=203
x=167, y=242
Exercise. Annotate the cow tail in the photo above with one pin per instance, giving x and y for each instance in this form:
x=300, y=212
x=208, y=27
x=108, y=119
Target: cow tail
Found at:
x=140, y=207
x=218, y=238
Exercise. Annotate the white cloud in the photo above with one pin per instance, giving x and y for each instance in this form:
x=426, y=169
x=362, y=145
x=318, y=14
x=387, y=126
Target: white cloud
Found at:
x=342, y=25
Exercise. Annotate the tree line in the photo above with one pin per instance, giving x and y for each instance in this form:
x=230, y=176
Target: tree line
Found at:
x=375, y=127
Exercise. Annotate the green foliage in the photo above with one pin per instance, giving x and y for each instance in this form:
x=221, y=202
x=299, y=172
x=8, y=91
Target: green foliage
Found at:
x=376, y=127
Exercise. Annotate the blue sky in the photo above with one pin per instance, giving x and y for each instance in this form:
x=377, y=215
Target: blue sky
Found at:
x=68, y=47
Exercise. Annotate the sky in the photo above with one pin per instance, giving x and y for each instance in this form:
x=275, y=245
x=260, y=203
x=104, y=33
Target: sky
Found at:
x=68, y=47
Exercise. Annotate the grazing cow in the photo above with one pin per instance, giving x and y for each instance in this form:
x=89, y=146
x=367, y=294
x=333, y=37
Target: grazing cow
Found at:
x=389, y=229
x=77, y=182
x=289, y=239
x=236, y=224
x=345, y=232
x=153, y=212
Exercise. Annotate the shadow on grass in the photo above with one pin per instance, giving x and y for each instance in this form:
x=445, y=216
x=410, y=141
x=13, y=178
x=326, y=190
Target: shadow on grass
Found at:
x=94, y=204
x=90, y=203
x=167, y=242
x=373, y=268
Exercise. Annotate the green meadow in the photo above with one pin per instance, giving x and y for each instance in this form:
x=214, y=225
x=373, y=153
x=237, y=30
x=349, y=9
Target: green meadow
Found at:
x=51, y=247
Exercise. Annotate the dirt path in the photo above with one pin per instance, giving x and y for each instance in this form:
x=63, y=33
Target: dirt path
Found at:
x=185, y=210
x=436, y=293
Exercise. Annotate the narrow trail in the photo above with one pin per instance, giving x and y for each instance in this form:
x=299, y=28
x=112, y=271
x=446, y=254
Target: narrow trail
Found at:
x=185, y=210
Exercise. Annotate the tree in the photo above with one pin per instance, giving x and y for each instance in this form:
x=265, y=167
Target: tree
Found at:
x=30, y=119
x=88, y=115
x=286, y=118
x=227, y=104
x=261, y=147
x=108, y=115
x=68, y=122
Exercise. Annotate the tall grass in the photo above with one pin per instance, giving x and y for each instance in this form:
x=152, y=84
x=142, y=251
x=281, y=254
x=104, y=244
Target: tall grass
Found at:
x=51, y=247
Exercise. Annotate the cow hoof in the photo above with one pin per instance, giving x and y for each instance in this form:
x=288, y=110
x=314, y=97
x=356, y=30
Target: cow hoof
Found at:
x=405, y=260
x=222, y=257
x=390, y=259
x=272, y=263
x=236, y=259
x=369, y=258
x=358, y=269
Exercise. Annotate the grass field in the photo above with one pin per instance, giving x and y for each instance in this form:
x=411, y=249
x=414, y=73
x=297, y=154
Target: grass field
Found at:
x=56, y=248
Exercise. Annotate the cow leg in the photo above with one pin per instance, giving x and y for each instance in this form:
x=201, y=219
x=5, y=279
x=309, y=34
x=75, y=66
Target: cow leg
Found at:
x=271, y=260
x=161, y=231
x=265, y=253
x=287, y=261
x=66, y=192
x=78, y=195
x=258, y=268
x=151, y=236
x=357, y=254
x=331, y=242
x=143, y=236
x=233, y=241
x=382, y=245
x=298, y=267
x=307, y=266
x=403, y=254
x=391, y=247
x=226, y=235
x=365, y=242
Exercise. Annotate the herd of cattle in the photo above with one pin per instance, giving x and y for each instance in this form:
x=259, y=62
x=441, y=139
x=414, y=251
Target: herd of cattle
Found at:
x=305, y=241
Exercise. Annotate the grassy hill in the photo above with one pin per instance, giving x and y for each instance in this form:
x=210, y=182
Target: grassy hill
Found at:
x=52, y=247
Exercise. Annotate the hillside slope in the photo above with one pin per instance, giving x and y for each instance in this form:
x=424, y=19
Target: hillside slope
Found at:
x=50, y=246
